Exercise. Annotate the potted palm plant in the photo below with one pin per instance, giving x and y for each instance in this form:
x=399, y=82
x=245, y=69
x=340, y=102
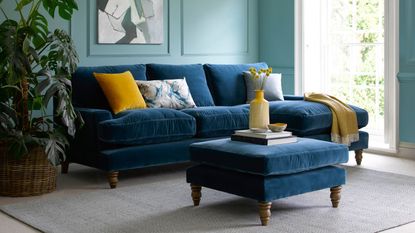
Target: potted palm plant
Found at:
x=35, y=68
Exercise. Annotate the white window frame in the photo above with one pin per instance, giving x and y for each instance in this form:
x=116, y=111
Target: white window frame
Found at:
x=391, y=69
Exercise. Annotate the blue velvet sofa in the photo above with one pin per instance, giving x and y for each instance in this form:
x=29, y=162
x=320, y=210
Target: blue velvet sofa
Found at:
x=149, y=137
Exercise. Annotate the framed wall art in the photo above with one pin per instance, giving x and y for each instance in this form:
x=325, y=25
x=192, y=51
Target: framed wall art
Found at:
x=130, y=21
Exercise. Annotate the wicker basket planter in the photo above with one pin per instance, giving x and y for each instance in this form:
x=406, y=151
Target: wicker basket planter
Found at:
x=33, y=175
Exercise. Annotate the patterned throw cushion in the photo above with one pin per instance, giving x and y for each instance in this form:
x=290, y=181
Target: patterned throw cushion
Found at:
x=172, y=93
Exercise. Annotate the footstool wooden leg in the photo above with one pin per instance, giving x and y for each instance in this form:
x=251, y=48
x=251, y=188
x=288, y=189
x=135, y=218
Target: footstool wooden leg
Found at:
x=113, y=179
x=264, y=212
x=196, y=194
x=335, y=196
x=358, y=156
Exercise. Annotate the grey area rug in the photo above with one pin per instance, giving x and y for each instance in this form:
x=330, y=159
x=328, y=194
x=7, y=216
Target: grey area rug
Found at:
x=371, y=201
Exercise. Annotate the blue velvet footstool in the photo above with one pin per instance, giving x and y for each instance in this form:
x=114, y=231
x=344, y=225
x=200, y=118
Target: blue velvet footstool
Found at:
x=267, y=173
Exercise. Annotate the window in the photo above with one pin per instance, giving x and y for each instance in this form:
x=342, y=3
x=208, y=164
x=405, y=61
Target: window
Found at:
x=341, y=48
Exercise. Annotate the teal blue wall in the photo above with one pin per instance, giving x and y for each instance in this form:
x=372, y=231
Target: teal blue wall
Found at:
x=406, y=74
x=196, y=31
x=276, y=40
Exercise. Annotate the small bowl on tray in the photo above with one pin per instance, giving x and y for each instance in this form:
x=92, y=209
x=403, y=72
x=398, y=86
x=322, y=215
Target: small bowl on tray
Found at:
x=277, y=127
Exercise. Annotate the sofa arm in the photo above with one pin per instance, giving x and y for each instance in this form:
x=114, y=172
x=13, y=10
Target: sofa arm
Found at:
x=86, y=141
x=94, y=115
x=293, y=97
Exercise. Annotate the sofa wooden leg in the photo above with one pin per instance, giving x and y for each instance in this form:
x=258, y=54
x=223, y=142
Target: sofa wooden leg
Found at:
x=113, y=179
x=196, y=194
x=358, y=156
x=335, y=195
x=65, y=167
x=264, y=212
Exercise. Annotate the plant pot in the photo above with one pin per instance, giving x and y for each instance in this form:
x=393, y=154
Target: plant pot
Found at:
x=30, y=176
x=259, y=111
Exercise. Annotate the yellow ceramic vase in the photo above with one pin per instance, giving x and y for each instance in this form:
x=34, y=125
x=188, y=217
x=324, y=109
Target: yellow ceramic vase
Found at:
x=259, y=111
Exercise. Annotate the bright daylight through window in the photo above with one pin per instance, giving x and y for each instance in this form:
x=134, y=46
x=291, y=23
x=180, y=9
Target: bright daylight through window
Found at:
x=343, y=47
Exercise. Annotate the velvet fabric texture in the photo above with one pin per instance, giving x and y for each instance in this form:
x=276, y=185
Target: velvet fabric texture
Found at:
x=363, y=142
x=306, y=154
x=86, y=92
x=308, y=118
x=219, y=120
x=130, y=157
x=227, y=83
x=195, y=78
x=147, y=126
x=124, y=141
x=265, y=188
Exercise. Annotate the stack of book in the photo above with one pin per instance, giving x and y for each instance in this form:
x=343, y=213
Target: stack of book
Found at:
x=268, y=138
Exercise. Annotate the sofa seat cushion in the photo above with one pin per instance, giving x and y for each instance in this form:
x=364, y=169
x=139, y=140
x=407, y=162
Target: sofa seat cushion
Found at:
x=308, y=118
x=147, y=126
x=220, y=120
x=304, y=155
x=227, y=83
x=195, y=78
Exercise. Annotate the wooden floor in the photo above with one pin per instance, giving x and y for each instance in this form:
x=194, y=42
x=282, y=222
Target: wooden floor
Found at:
x=67, y=184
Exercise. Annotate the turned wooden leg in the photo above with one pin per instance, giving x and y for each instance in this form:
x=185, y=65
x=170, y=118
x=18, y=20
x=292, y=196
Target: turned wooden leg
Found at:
x=264, y=212
x=358, y=156
x=196, y=194
x=65, y=167
x=113, y=179
x=335, y=196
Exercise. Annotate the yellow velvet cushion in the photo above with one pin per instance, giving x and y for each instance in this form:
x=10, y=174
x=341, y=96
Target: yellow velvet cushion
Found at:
x=121, y=91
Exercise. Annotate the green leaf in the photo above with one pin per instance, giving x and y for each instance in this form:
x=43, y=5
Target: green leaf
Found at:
x=65, y=7
x=39, y=25
x=8, y=112
x=55, y=147
x=36, y=103
x=43, y=85
x=65, y=12
x=22, y=4
x=50, y=6
x=18, y=147
x=50, y=93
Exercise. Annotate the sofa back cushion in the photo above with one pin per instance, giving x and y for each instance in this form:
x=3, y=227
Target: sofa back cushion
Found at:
x=195, y=78
x=227, y=83
x=86, y=91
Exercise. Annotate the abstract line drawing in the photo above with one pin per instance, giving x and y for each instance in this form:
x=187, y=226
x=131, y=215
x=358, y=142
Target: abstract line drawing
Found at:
x=130, y=21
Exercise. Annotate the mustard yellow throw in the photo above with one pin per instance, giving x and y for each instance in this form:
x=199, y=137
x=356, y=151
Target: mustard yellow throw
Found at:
x=344, y=128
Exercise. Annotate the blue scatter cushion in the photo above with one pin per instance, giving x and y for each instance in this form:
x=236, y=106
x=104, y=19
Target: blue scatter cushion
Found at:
x=172, y=93
x=195, y=78
x=306, y=154
x=308, y=118
x=147, y=126
x=86, y=92
x=220, y=120
x=227, y=83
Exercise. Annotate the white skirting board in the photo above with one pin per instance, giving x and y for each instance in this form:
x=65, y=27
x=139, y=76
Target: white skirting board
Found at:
x=407, y=150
